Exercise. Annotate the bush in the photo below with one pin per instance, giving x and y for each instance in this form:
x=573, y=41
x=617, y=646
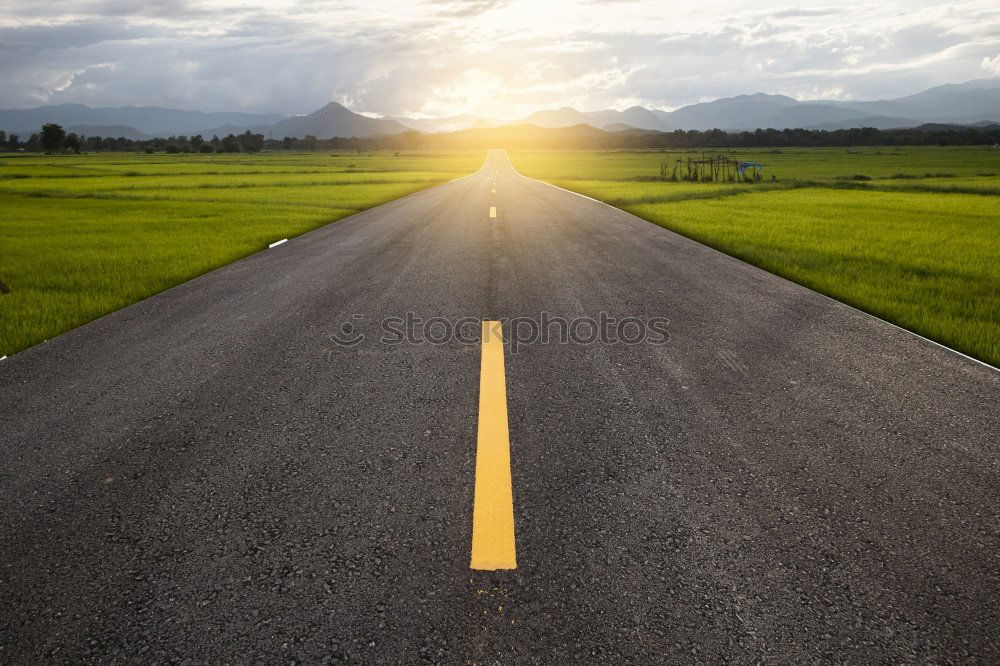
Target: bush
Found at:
x=150, y=150
x=206, y=148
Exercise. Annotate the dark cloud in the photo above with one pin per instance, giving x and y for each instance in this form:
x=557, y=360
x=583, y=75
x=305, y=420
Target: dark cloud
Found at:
x=71, y=35
x=172, y=9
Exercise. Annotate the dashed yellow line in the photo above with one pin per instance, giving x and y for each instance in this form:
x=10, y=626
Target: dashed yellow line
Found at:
x=493, y=211
x=493, y=506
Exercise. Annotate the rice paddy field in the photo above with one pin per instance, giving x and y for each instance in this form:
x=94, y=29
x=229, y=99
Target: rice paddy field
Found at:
x=82, y=236
x=911, y=235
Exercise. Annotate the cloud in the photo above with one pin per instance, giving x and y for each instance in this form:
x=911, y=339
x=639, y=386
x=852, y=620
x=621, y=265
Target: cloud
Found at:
x=495, y=57
x=458, y=8
x=800, y=12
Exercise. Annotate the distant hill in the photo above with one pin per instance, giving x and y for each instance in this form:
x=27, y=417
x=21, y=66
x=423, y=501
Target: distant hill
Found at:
x=635, y=116
x=617, y=127
x=728, y=112
x=960, y=103
x=335, y=120
x=113, y=131
x=151, y=120
x=937, y=127
x=527, y=135
x=949, y=104
x=444, y=124
x=878, y=122
x=750, y=112
x=564, y=117
x=800, y=115
x=978, y=97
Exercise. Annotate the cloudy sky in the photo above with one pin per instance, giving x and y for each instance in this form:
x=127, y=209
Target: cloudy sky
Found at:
x=501, y=58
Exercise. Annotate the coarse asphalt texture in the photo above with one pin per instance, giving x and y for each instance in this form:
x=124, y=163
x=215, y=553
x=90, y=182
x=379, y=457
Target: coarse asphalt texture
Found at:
x=208, y=476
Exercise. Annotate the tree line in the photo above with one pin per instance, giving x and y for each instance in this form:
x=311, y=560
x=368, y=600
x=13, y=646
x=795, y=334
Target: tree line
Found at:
x=586, y=137
x=54, y=139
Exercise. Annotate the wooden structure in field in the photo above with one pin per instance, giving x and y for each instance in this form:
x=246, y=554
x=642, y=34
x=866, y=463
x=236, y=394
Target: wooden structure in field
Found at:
x=714, y=168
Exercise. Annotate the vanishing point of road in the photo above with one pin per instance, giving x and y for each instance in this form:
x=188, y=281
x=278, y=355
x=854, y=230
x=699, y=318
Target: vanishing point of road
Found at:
x=209, y=476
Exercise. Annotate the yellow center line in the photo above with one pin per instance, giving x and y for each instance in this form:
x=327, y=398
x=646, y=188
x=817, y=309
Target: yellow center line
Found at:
x=493, y=506
x=493, y=211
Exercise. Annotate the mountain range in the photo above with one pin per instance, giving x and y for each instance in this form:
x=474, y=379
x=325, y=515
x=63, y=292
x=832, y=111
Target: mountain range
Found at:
x=149, y=120
x=953, y=104
x=965, y=103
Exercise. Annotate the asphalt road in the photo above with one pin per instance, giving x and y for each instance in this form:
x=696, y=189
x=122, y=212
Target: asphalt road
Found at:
x=208, y=477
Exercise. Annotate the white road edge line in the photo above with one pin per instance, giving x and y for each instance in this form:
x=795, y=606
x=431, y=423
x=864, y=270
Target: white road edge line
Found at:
x=277, y=243
x=829, y=298
x=488, y=151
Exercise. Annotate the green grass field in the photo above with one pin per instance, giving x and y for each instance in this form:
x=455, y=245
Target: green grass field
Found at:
x=82, y=236
x=917, y=245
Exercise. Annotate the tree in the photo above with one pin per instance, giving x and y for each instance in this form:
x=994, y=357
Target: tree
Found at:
x=197, y=141
x=251, y=143
x=3, y=139
x=71, y=143
x=206, y=148
x=230, y=145
x=14, y=142
x=52, y=137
